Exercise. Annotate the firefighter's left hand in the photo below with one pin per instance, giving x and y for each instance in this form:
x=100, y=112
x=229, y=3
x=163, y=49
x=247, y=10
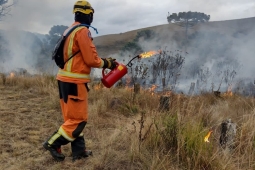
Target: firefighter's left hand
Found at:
x=109, y=63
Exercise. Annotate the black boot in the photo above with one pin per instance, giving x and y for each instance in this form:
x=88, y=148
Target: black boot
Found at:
x=53, y=144
x=79, y=150
x=84, y=154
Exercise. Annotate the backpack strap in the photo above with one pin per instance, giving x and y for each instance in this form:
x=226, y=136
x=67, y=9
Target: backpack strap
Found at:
x=85, y=25
x=70, y=31
x=89, y=26
x=71, y=56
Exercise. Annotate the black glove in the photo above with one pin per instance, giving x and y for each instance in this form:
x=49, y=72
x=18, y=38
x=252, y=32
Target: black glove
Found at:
x=109, y=63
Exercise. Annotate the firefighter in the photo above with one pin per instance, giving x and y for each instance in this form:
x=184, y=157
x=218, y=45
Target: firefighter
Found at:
x=72, y=84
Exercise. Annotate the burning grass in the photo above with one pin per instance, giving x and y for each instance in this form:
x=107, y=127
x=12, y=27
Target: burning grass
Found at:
x=125, y=131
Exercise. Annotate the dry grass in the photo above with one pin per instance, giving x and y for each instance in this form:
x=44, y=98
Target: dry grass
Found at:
x=125, y=131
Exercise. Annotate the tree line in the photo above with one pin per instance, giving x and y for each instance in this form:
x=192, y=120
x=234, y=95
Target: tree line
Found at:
x=5, y=7
x=188, y=16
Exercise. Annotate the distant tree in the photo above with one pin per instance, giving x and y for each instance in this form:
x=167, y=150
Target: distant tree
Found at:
x=51, y=39
x=57, y=30
x=187, y=20
x=5, y=7
x=188, y=16
x=3, y=2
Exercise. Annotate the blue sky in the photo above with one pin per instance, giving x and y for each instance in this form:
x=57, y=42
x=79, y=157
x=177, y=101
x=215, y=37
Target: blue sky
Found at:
x=116, y=16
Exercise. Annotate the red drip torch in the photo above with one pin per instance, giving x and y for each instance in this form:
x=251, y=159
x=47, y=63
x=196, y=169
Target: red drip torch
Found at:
x=116, y=74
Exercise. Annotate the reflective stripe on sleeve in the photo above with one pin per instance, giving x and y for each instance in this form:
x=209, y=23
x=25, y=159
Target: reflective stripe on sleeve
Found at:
x=102, y=63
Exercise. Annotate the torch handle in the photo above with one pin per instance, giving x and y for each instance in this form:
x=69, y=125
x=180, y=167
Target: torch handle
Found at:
x=105, y=68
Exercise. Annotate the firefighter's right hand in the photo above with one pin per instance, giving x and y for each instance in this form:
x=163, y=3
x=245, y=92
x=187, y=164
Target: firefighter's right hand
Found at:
x=109, y=63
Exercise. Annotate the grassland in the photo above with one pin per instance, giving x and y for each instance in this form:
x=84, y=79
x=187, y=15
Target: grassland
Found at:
x=125, y=130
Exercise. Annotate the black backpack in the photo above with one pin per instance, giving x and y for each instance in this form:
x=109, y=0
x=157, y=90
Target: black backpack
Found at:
x=58, y=52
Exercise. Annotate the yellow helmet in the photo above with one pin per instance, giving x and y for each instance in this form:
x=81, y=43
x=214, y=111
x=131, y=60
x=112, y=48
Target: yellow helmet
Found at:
x=83, y=7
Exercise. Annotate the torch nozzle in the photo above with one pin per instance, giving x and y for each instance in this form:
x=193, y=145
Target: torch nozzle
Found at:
x=129, y=64
x=144, y=55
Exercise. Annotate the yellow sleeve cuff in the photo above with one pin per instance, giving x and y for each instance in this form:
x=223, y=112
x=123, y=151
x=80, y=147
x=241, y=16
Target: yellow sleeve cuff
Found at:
x=102, y=63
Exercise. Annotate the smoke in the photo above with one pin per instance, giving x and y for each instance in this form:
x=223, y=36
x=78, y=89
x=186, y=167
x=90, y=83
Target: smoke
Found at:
x=24, y=51
x=21, y=33
x=224, y=49
x=219, y=54
x=22, y=48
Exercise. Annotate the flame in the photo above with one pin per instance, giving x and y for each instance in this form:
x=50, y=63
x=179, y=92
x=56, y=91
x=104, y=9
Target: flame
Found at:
x=206, y=139
x=168, y=93
x=228, y=92
x=97, y=87
x=12, y=74
x=152, y=88
x=149, y=54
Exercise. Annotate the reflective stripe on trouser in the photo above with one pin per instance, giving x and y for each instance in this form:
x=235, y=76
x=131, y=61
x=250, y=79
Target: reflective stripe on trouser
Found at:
x=74, y=110
x=72, y=130
x=56, y=140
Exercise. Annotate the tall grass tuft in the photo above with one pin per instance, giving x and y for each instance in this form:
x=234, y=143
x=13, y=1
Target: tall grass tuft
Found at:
x=37, y=84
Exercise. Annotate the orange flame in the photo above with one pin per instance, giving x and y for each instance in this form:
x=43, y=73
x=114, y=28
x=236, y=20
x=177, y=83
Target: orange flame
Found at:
x=12, y=74
x=168, y=93
x=206, y=139
x=229, y=91
x=153, y=87
x=149, y=54
x=97, y=87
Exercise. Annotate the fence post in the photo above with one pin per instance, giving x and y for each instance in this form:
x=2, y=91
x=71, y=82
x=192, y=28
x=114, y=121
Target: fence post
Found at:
x=228, y=134
x=164, y=103
x=137, y=88
x=3, y=76
x=163, y=83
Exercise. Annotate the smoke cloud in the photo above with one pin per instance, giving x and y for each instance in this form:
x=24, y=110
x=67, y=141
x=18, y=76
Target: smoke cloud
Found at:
x=220, y=54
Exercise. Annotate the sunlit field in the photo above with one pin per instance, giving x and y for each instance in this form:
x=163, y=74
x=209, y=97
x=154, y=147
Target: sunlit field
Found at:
x=125, y=130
